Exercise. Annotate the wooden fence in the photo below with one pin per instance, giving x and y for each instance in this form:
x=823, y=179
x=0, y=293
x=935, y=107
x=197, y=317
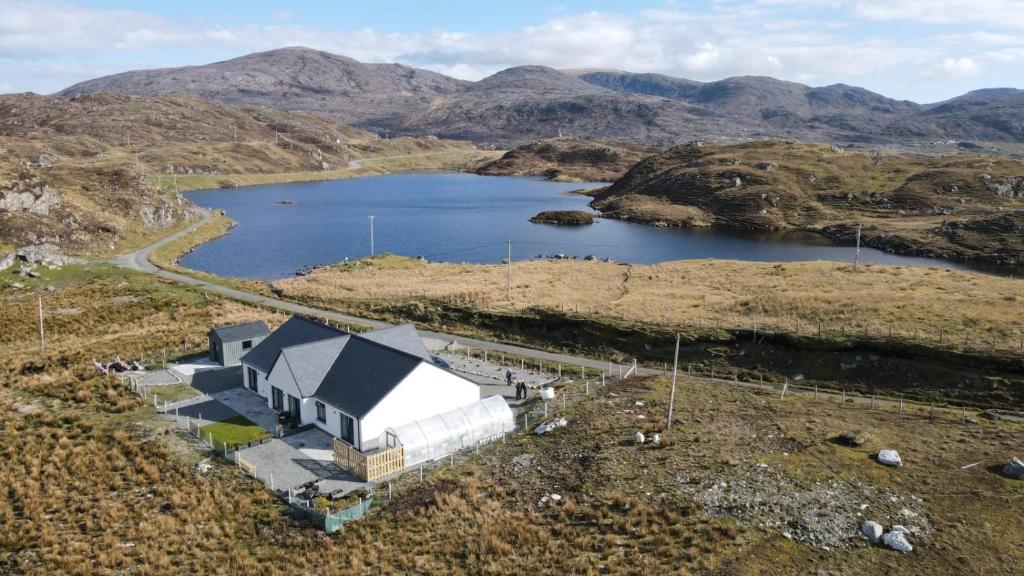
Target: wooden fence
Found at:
x=369, y=466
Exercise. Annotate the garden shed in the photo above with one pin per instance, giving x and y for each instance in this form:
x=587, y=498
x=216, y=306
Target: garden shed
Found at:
x=440, y=435
x=229, y=343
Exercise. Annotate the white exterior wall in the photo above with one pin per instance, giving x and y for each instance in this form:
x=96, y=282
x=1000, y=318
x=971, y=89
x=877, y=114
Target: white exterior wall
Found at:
x=261, y=381
x=426, y=391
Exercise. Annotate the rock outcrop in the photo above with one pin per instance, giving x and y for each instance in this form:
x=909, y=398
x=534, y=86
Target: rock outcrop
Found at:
x=37, y=200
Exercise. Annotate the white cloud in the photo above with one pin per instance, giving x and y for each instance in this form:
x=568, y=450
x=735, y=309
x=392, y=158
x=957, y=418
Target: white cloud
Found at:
x=954, y=68
x=998, y=13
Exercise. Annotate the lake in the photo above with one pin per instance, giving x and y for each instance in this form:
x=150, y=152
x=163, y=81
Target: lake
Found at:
x=461, y=218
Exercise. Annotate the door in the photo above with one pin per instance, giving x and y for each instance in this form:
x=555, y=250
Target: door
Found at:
x=276, y=398
x=348, y=429
x=293, y=406
x=253, y=379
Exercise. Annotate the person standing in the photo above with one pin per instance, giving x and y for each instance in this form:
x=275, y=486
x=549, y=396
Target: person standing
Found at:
x=508, y=377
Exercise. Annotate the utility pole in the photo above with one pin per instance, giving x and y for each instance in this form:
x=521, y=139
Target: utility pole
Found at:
x=372, y=253
x=508, y=282
x=672, y=394
x=42, y=336
x=856, y=260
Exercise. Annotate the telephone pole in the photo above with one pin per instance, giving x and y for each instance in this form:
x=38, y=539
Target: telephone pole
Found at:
x=42, y=336
x=372, y=253
x=508, y=282
x=672, y=394
x=856, y=260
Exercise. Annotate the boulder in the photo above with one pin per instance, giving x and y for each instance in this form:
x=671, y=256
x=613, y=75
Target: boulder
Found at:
x=549, y=426
x=871, y=530
x=901, y=529
x=890, y=458
x=1015, y=469
x=897, y=541
x=639, y=437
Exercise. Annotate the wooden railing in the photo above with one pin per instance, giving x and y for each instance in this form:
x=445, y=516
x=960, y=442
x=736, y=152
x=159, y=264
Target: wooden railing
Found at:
x=370, y=466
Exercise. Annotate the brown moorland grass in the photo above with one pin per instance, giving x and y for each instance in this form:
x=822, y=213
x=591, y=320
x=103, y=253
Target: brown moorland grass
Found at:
x=928, y=301
x=93, y=483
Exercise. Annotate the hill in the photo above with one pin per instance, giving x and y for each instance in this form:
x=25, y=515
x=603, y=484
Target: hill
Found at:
x=570, y=159
x=100, y=172
x=528, y=103
x=956, y=207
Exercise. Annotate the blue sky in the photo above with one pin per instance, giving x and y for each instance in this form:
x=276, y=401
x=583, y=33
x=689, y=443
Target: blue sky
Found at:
x=922, y=50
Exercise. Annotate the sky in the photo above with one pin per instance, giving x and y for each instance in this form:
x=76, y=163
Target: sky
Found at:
x=921, y=50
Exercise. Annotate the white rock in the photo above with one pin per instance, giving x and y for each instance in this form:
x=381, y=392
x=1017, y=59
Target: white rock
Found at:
x=556, y=498
x=1015, y=469
x=872, y=530
x=639, y=436
x=639, y=403
x=897, y=541
x=901, y=529
x=656, y=440
x=890, y=458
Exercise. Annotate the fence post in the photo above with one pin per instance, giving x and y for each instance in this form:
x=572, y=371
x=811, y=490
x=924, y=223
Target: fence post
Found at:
x=586, y=385
x=844, y=398
x=815, y=391
x=526, y=421
x=963, y=418
x=901, y=406
x=872, y=401
x=785, y=386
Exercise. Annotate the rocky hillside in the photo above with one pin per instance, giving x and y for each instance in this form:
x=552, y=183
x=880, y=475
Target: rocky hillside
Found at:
x=98, y=172
x=958, y=207
x=570, y=160
x=529, y=103
x=369, y=95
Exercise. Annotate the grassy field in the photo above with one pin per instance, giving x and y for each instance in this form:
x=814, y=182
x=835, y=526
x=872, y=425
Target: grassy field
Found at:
x=792, y=296
x=234, y=431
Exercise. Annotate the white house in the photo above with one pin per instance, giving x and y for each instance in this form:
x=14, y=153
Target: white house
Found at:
x=353, y=386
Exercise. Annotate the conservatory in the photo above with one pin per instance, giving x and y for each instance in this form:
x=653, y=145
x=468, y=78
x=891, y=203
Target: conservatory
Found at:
x=440, y=435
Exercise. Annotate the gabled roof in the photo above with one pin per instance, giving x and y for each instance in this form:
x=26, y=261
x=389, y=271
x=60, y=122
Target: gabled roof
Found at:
x=309, y=363
x=363, y=374
x=404, y=338
x=238, y=332
x=294, y=332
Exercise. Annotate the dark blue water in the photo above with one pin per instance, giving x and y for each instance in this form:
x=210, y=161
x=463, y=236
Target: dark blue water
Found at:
x=460, y=218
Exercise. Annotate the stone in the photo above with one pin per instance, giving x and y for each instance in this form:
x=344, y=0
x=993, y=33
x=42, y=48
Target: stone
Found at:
x=46, y=160
x=37, y=201
x=736, y=182
x=656, y=440
x=897, y=541
x=639, y=437
x=854, y=438
x=890, y=458
x=766, y=166
x=549, y=426
x=872, y=531
x=1015, y=469
x=901, y=529
x=836, y=149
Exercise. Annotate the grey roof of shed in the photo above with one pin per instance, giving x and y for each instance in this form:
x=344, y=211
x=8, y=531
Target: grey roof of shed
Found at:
x=404, y=338
x=238, y=332
x=295, y=331
x=363, y=374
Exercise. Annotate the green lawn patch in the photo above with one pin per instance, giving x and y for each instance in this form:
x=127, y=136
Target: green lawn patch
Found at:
x=237, y=430
x=172, y=393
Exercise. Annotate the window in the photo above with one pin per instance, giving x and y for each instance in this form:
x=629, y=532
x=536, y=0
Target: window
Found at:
x=246, y=344
x=276, y=398
x=348, y=427
x=253, y=376
x=293, y=406
x=321, y=412
x=392, y=440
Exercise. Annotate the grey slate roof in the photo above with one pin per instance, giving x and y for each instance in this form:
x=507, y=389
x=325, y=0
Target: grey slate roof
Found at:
x=240, y=331
x=295, y=331
x=309, y=363
x=363, y=374
x=404, y=338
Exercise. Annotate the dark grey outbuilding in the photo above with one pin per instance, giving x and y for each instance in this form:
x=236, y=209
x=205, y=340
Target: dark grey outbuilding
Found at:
x=229, y=343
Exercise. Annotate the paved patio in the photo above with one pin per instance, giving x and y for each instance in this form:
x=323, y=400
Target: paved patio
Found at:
x=290, y=462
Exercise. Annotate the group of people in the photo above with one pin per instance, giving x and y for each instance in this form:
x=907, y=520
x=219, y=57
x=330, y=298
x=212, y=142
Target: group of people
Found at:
x=521, y=388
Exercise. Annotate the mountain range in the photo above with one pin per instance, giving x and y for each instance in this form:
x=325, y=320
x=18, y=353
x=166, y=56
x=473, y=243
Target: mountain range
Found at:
x=529, y=103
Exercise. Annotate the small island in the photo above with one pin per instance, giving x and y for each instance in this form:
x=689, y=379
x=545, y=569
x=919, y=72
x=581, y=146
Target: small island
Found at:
x=564, y=217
